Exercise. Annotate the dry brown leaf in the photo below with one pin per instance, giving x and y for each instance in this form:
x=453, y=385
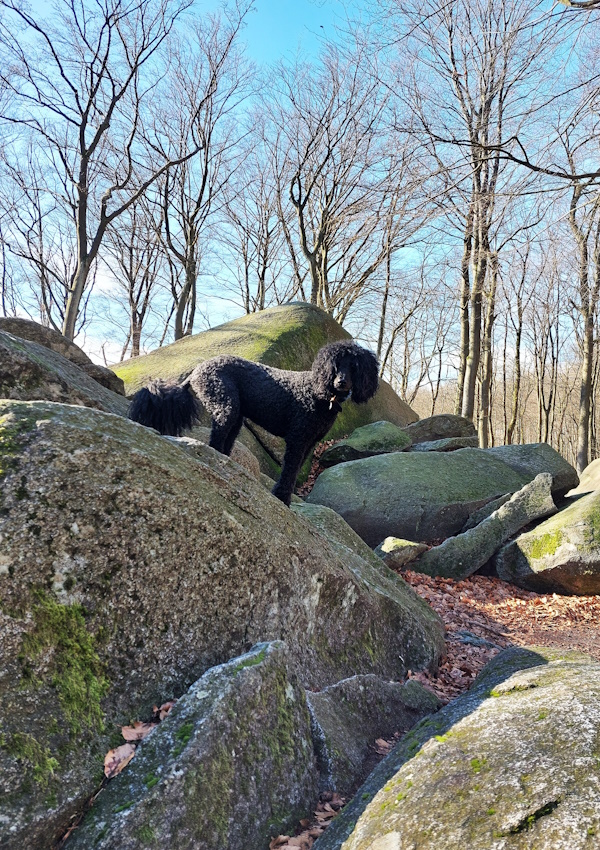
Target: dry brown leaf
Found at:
x=138, y=731
x=115, y=760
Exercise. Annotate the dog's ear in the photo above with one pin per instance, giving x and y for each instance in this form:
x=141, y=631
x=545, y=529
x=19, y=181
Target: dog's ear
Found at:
x=324, y=368
x=365, y=375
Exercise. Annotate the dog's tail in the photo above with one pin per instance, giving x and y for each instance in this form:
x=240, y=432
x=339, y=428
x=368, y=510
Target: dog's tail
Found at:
x=168, y=408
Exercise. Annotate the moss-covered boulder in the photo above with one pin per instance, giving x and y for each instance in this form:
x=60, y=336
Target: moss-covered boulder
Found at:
x=532, y=458
x=231, y=766
x=446, y=444
x=287, y=337
x=440, y=427
x=511, y=764
x=561, y=555
x=374, y=439
x=350, y=716
x=50, y=338
x=128, y=567
x=30, y=371
x=396, y=553
x=460, y=556
x=421, y=497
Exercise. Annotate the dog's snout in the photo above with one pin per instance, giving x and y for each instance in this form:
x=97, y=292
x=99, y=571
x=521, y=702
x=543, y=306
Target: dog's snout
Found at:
x=342, y=381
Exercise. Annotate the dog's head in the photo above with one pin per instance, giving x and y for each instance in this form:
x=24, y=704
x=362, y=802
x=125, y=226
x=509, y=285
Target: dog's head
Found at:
x=344, y=368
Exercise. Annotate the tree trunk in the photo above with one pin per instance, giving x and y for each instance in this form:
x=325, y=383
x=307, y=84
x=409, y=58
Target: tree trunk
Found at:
x=486, y=378
x=585, y=394
x=465, y=291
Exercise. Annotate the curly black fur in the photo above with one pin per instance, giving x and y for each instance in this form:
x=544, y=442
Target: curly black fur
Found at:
x=301, y=407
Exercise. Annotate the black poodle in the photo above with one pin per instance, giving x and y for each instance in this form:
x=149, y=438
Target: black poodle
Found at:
x=299, y=406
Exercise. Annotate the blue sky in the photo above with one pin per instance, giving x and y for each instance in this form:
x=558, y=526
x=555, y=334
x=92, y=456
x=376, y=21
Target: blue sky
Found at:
x=278, y=28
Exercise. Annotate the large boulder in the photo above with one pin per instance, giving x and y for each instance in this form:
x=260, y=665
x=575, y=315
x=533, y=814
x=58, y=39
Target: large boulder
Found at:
x=460, y=556
x=374, y=439
x=231, y=766
x=30, y=371
x=128, y=567
x=511, y=764
x=532, y=458
x=560, y=555
x=350, y=716
x=421, y=497
x=440, y=427
x=287, y=337
x=589, y=479
x=50, y=338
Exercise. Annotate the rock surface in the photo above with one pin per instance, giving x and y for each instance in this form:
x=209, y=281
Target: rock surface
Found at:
x=589, y=479
x=447, y=444
x=127, y=569
x=440, y=427
x=50, y=338
x=231, y=766
x=349, y=716
x=533, y=458
x=420, y=497
x=561, y=555
x=30, y=371
x=462, y=555
x=397, y=553
x=374, y=439
x=511, y=764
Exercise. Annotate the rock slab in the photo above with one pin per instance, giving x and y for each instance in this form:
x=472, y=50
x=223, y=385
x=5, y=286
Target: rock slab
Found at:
x=424, y=497
x=231, y=766
x=460, y=556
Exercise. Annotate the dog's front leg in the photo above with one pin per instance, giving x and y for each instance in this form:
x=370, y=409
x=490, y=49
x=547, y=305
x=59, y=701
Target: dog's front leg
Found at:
x=295, y=454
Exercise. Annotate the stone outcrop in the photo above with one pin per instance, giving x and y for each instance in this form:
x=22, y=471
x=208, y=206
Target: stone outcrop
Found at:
x=462, y=555
x=447, y=444
x=421, y=497
x=349, y=716
x=511, y=764
x=440, y=427
x=374, y=439
x=560, y=555
x=589, y=479
x=128, y=567
x=231, y=766
x=30, y=371
x=50, y=338
x=397, y=553
x=532, y=458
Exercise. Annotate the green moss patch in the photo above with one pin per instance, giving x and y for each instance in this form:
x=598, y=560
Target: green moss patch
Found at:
x=34, y=755
x=78, y=674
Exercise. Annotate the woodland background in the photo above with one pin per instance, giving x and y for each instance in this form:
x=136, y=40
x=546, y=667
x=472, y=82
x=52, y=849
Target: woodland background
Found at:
x=432, y=180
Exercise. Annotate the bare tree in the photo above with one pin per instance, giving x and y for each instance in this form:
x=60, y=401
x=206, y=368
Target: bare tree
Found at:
x=81, y=84
x=330, y=120
x=209, y=81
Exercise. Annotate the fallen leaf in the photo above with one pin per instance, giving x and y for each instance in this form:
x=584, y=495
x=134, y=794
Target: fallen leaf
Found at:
x=138, y=731
x=115, y=760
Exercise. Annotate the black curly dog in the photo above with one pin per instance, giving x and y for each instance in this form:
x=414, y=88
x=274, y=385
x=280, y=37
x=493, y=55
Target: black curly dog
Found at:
x=301, y=407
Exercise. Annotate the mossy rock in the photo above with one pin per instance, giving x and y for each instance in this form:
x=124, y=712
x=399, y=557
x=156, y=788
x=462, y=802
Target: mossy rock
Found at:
x=561, y=555
x=30, y=371
x=532, y=458
x=373, y=439
x=50, y=338
x=287, y=337
x=396, y=553
x=128, y=567
x=503, y=766
x=231, y=766
x=350, y=716
x=439, y=427
x=420, y=497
